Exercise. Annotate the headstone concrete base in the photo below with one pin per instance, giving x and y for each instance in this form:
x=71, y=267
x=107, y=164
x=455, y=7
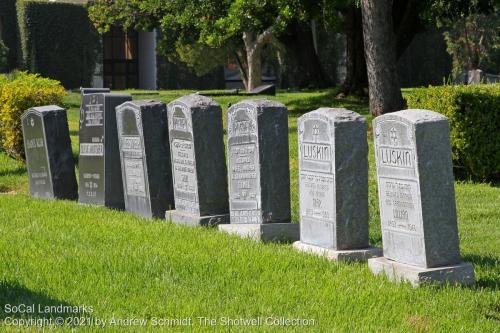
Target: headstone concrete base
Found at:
x=462, y=273
x=195, y=220
x=340, y=255
x=265, y=232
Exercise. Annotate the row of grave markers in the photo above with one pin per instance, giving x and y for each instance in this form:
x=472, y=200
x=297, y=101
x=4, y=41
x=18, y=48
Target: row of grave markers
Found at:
x=168, y=162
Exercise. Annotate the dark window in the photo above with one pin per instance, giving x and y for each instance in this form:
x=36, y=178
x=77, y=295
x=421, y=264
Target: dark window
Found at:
x=120, y=59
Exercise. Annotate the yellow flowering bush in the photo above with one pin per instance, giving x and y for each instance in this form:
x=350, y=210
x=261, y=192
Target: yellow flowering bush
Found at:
x=20, y=91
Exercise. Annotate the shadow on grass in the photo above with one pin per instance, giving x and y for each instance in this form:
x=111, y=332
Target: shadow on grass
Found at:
x=13, y=172
x=14, y=295
x=328, y=99
x=489, y=263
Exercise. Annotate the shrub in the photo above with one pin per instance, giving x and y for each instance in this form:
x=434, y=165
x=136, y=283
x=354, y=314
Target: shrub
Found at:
x=18, y=92
x=474, y=115
x=58, y=41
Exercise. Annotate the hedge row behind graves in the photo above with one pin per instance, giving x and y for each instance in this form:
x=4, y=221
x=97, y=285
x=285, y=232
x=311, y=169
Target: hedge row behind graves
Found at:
x=474, y=115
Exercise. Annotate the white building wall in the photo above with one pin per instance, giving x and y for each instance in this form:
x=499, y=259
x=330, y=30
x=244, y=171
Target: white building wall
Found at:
x=147, y=60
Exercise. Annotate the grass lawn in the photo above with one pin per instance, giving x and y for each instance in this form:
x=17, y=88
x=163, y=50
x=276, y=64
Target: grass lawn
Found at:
x=124, y=267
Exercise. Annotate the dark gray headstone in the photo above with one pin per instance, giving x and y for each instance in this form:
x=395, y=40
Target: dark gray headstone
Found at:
x=145, y=157
x=259, y=174
x=49, y=159
x=416, y=196
x=266, y=89
x=99, y=164
x=333, y=181
x=198, y=163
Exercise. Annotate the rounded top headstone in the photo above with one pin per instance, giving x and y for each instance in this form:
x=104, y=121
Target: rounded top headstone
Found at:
x=337, y=115
x=414, y=116
x=42, y=110
x=195, y=101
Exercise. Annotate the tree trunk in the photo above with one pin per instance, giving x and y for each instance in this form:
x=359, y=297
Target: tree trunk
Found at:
x=254, y=63
x=303, y=66
x=380, y=54
x=356, y=80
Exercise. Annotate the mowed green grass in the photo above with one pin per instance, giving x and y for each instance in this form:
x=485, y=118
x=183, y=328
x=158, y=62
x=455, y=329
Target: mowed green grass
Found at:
x=58, y=252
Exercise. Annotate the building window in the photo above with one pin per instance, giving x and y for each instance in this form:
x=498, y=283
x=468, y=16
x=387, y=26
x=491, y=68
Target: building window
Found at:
x=120, y=59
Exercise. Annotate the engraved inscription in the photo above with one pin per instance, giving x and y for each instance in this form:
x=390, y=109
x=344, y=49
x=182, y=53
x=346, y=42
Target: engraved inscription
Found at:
x=244, y=180
x=316, y=180
x=134, y=175
x=36, y=156
x=400, y=201
x=184, y=174
x=395, y=157
x=91, y=149
x=92, y=146
x=94, y=112
x=244, y=167
x=315, y=152
x=399, y=194
x=316, y=196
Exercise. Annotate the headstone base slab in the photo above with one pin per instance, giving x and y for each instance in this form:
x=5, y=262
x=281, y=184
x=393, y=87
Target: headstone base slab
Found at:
x=340, y=255
x=462, y=273
x=195, y=220
x=265, y=232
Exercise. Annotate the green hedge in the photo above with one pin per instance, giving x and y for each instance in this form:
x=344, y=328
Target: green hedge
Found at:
x=474, y=115
x=58, y=41
x=9, y=31
x=20, y=91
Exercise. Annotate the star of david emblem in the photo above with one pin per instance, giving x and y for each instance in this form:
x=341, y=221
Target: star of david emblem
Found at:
x=393, y=135
x=315, y=132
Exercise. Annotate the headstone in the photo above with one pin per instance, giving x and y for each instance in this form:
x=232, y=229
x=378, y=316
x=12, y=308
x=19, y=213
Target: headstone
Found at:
x=259, y=175
x=417, y=199
x=145, y=158
x=99, y=164
x=333, y=185
x=475, y=76
x=198, y=165
x=266, y=89
x=49, y=158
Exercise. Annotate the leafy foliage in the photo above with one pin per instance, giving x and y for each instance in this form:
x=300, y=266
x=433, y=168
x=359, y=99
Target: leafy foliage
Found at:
x=58, y=41
x=18, y=92
x=474, y=115
x=474, y=42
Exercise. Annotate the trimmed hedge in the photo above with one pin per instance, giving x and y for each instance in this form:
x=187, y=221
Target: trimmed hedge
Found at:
x=474, y=115
x=9, y=31
x=18, y=92
x=58, y=41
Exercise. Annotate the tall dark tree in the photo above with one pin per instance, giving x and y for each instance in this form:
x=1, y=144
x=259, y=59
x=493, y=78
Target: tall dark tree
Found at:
x=356, y=81
x=380, y=54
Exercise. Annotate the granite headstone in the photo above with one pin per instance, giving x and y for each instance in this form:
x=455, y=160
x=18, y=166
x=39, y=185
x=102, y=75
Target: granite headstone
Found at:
x=99, y=164
x=333, y=185
x=49, y=158
x=259, y=175
x=145, y=157
x=198, y=163
x=417, y=199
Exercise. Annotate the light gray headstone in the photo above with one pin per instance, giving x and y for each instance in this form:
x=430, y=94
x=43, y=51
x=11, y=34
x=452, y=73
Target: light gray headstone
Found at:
x=198, y=163
x=333, y=179
x=416, y=190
